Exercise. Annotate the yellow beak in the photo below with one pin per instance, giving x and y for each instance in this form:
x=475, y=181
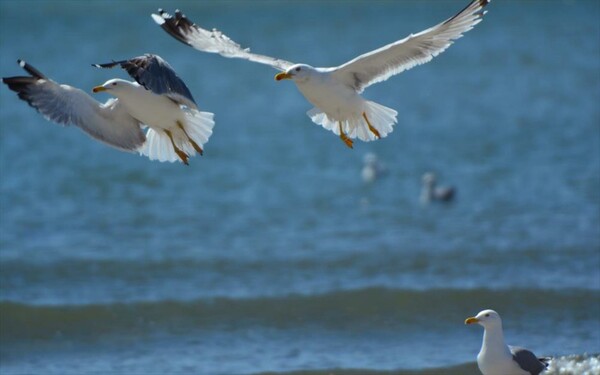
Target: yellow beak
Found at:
x=282, y=75
x=99, y=89
x=471, y=320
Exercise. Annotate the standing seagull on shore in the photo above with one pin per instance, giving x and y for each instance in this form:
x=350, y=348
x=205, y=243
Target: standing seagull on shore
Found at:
x=335, y=91
x=497, y=358
x=158, y=100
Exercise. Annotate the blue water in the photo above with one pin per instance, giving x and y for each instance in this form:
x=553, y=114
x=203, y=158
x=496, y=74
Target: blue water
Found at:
x=269, y=253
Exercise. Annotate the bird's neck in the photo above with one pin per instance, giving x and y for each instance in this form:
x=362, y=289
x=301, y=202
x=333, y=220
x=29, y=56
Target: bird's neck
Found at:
x=427, y=192
x=493, y=339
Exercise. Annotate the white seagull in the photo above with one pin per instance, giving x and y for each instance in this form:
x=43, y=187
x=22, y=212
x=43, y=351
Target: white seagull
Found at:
x=372, y=168
x=497, y=358
x=335, y=91
x=159, y=100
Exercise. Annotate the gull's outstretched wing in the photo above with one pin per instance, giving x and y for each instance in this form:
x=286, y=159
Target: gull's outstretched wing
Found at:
x=182, y=29
x=156, y=75
x=417, y=49
x=66, y=105
x=528, y=361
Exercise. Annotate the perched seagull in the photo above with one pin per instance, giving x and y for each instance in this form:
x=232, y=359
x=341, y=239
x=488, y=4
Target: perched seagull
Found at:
x=497, y=358
x=335, y=92
x=159, y=100
x=430, y=192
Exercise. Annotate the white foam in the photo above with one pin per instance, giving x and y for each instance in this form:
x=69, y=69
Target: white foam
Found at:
x=575, y=365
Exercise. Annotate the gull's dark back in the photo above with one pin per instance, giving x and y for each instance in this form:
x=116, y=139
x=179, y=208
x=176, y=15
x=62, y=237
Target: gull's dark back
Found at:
x=528, y=361
x=155, y=74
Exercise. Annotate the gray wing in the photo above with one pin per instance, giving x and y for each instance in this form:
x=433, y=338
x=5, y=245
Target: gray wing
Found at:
x=182, y=29
x=66, y=105
x=156, y=75
x=527, y=360
x=417, y=49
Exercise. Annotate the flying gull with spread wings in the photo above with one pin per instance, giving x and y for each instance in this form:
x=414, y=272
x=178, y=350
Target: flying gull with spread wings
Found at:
x=335, y=91
x=497, y=358
x=158, y=101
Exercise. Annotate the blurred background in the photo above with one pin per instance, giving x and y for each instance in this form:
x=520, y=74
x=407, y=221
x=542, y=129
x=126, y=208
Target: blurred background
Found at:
x=271, y=253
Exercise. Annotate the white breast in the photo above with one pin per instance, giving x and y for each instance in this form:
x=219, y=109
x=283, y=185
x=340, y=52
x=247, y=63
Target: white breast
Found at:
x=337, y=100
x=156, y=111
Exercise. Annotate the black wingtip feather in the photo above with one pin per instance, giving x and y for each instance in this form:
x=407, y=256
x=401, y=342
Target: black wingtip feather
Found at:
x=21, y=85
x=30, y=69
x=176, y=26
x=109, y=65
x=545, y=360
x=480, y=12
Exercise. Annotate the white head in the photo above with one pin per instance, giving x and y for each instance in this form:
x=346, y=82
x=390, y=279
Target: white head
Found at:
x=115, y=86
x=298, y=73
x=370, y=158
x=486, y=318
x=428, y=179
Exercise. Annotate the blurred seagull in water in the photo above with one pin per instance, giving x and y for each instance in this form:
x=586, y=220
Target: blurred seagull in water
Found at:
x=431, y=192
x=335, y=91
x=158, y=100
x=372, y=168
x=497, y=358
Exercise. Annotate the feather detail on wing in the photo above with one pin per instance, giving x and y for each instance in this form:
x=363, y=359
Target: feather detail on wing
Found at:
x=182, y=29
x=417, y=49
x=66, y=105
x=156, y=75
x=527, y=360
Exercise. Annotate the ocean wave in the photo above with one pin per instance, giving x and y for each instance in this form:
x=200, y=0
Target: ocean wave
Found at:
x=100, y=281
x=372, y=307
x=577, y=364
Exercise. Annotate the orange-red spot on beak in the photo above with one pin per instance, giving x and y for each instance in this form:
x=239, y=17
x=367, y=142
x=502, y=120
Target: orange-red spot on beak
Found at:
x=282, y=75
x=99, y=89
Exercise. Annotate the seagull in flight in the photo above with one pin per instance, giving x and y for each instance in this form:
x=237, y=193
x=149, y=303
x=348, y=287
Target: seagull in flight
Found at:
x=335, y=91
x=158, y=101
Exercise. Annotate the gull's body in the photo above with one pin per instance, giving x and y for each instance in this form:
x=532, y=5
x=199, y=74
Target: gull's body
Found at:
x=333, y=97
x=340, y=108
x=497, y=358
x=372, y=169
x=335, y=92
x=431, y=192
x=158, y=101
x=155, y=111
x=174, y=133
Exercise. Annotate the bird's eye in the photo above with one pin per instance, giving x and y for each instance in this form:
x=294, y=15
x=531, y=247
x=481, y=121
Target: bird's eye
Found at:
x=298, y=69
x=114, y=83
x=487, y=315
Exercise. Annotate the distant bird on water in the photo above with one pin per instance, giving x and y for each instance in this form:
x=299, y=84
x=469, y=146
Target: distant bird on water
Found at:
x=158, y=100
x=335, y=91
x=372, y=168
x=497, y=358
x=430, y=192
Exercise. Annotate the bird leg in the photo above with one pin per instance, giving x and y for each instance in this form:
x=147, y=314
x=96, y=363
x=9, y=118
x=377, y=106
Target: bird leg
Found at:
x=182, y=155
x=371, y=128
x=196, y=147
x=344, y=137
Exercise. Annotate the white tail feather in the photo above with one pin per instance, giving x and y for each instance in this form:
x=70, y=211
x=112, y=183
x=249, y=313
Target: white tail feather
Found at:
x=381, y=118
x=198, y=126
